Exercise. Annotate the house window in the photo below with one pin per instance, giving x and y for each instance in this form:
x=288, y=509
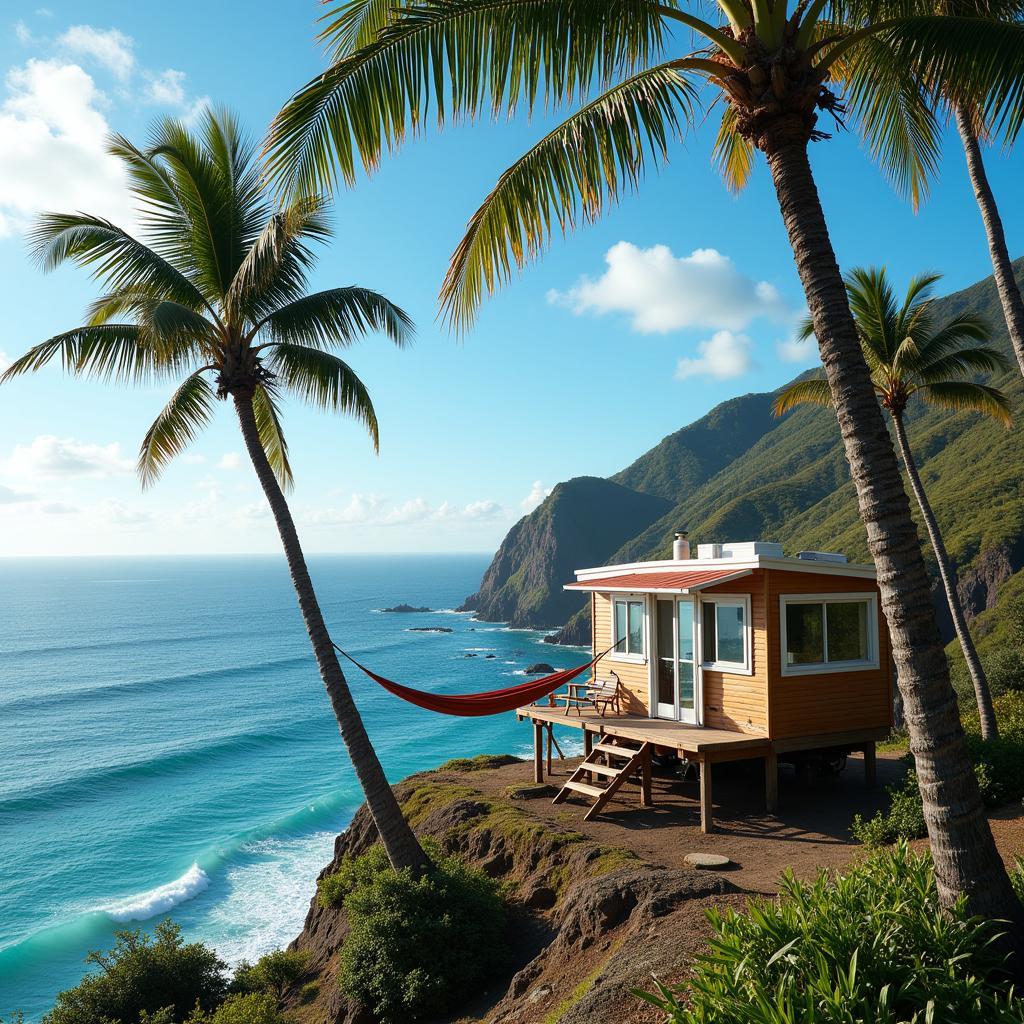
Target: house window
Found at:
x=629, y=628
x=725, y=632
x=829, y=633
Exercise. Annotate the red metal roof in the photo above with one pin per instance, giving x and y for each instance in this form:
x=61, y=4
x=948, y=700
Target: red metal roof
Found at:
x=675, y=581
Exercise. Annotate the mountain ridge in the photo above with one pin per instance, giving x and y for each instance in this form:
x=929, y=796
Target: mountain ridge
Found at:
x=738, y=473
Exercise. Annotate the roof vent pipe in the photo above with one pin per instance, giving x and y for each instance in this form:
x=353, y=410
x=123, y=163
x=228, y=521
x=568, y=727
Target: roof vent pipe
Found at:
x=681, y=547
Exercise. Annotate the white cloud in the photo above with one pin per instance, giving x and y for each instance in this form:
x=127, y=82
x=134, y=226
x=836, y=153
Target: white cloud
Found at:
x=9, y=496
x=108, y=47
x=193, y=459
x=166, y=88
x=230, y=461
x=52, y=155
x=538, y=492
x=23, y=33
x=793, y=350
x=373, y=510
x=662, y=292
x=723, y=356
x=117, y=512
x=51, y=457
x=44, y=12
x=57, y=508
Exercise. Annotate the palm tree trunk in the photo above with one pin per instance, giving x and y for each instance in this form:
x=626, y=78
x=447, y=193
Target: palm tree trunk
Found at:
x=1002, y=267
x=986, y=713
x=403, y=849
x=965, y=856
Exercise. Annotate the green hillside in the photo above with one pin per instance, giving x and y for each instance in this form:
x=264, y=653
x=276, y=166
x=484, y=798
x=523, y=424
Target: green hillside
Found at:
x=739, y=474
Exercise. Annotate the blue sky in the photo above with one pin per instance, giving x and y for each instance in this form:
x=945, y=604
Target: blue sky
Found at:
x=684, y=296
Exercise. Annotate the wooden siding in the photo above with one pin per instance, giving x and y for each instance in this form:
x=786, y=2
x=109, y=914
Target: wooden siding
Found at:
x=736, y=701
x=809, y=705
x=634, y=675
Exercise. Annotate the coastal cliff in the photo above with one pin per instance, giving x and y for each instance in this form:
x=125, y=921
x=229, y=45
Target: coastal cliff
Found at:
x=739, y=473
x=582, y=522
x=589, y=922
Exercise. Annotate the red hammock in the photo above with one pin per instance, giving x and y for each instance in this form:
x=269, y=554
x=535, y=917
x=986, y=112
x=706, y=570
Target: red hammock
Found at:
x=469, y=705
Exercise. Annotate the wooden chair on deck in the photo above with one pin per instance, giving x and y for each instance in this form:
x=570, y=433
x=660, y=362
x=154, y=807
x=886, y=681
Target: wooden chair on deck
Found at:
x=606, y=694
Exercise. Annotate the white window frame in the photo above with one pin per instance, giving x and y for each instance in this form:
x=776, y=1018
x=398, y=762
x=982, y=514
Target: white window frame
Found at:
x=826, y=667
x=616, y=655
x=736, y=668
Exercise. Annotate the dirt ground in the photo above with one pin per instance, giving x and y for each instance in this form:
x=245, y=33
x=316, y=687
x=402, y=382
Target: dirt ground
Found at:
x=810, y=831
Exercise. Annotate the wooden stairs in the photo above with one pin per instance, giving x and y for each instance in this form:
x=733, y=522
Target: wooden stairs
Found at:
x=612, y=762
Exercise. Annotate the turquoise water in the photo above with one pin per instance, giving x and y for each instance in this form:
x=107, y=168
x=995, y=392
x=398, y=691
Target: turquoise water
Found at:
x=166, y=747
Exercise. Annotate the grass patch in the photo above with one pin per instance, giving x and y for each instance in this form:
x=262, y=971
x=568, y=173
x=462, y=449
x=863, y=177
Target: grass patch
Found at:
x=480, y=763
x=580, y=990
x=430, y=796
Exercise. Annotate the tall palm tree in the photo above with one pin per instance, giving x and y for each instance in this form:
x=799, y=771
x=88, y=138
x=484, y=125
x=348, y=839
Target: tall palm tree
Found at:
x=910, y=353
x=214, y=290
x=771, y=65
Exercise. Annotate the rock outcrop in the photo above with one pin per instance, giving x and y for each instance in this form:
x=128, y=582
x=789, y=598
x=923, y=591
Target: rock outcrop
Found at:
x=590, y=923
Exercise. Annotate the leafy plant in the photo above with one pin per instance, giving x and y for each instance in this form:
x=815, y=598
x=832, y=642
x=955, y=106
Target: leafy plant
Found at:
x=998, y=768
x=904, y=819
x=247, y=1008
x=157, y=979
x=274, y=973
x=871, y=945
x=415, y=943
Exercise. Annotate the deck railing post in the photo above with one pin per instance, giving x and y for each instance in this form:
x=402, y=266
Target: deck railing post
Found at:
x=870, y=766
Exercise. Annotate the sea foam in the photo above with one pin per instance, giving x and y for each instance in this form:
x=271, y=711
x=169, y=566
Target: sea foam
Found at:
x=162, y=898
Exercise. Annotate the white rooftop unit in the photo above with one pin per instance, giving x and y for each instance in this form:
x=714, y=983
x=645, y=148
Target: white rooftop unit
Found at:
x=822, y=556
x=742, y=551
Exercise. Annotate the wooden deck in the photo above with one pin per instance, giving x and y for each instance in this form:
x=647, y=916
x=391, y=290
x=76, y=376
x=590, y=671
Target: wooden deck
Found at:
x=700, y=744
x=690, y=741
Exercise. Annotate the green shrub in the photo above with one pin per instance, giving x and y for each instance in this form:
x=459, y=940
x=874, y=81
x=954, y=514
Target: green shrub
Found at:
x=415, y=945
x=871, y=945
x=159, y=976
x=998, y=767
x=274, y=973
x=242, y=1008
x=903, y=820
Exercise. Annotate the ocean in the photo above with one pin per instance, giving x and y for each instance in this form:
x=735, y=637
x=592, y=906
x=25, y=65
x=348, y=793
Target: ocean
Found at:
x=167, y=749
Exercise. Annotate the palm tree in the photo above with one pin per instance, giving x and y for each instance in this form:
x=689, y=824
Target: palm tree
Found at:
x=908, y=354
x=214, y=287
x=771, y=65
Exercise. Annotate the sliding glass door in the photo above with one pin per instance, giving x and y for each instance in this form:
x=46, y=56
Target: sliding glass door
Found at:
x=675, y=680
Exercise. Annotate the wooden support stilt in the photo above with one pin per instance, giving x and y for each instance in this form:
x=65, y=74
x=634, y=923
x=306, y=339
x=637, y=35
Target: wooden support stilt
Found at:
x=771, y=782
x=550, y=739
x=538, y=751
x=870, y=766
x=707, y=823
x=645, y=779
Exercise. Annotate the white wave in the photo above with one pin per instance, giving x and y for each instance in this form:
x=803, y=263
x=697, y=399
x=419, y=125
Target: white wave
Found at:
x=479, y=648
x=450, y=611
x=162, y=898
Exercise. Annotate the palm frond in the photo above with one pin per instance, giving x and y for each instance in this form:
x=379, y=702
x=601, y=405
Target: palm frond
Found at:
x=457, y=56
x=180, y=421
x=274, y=270
x=894, y=113
x=966, y=396
x=733, y=154
x=218, y=183
x=353, y=24
x=570, y=176
x=268, y=424
x=977, y=60
x=964, y=363
x=111, y=254
x=813, y=391
x=338, y=317
x=952, y=335
x=107, y=351
x=325, y=381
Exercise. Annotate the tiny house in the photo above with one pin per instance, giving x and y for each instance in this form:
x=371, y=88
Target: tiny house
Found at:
x=740, y=652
